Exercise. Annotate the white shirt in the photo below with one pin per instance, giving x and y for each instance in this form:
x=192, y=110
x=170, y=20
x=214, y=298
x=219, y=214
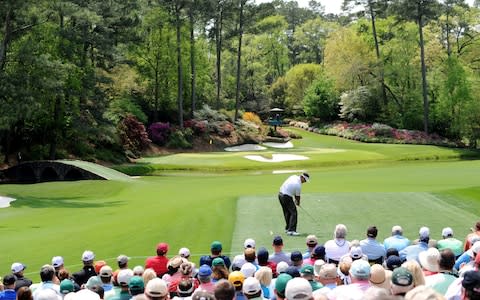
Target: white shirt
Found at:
x=292, y=186
x=336, y=248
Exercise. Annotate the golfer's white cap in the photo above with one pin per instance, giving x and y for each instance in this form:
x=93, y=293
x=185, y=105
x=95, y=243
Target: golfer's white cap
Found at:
x=306, y=177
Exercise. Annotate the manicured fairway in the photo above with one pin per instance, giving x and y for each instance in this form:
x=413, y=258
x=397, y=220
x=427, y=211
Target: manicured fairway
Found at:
x=261, y=217
x=200, y=202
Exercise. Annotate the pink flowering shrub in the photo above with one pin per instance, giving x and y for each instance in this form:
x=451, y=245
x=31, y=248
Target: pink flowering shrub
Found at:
x=381, y=133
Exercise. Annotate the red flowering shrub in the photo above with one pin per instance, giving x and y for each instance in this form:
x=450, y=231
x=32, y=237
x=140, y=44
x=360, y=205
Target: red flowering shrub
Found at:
x=133, y=135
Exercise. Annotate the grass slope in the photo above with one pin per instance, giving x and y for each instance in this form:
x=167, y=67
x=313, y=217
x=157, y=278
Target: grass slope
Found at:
x=192, y=209
x=261, y=217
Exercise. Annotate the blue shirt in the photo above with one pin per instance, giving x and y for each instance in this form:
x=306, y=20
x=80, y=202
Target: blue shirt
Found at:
x=397, y=241
x=463, y=259
x=412, y=251
x=8, y=295
x=372, y=249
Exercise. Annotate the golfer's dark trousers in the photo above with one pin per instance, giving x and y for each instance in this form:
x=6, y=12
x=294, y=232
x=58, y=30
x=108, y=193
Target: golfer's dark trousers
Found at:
x=289, y=211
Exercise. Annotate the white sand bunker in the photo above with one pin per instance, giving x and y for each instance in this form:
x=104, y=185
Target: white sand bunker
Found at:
x=246, y=147
x=286, y=145
x=287, y=171
x=276, y=158
x=5, y=201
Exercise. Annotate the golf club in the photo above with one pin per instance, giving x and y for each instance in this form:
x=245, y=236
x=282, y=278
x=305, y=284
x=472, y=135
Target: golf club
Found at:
x=308, y=214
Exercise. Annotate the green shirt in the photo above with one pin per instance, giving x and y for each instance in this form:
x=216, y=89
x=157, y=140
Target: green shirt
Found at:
x=455, y=245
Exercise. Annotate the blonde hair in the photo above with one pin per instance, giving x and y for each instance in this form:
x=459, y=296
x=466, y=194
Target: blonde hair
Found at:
x=264, y=275
x=148, y=275
x=414, y=267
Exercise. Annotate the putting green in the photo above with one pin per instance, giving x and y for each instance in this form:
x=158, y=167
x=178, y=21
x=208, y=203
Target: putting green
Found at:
x=261, y=218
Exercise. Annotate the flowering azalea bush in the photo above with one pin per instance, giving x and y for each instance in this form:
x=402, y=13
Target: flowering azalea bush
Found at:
x=380, y=133
x=159, y=132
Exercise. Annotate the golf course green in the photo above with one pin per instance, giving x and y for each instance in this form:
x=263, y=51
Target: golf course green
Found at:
x=192, y=199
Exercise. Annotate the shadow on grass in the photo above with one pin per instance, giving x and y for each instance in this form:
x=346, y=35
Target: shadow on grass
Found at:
x=71, y=202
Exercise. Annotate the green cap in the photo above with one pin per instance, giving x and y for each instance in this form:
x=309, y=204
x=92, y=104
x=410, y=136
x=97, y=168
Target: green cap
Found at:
x=307, y=270
x=66, y=286
x=401, y=276
x=218, y=261
x=136, y=283
x=281, y=283
x=216, y=245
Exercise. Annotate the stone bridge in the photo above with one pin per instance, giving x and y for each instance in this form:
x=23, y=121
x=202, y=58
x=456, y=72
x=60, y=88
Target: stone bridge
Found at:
x=46, y=170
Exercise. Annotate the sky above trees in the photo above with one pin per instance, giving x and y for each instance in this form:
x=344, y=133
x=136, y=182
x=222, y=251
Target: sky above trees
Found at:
x=331, y=6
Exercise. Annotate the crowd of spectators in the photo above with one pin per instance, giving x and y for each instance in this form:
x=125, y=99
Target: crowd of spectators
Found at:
x=342, y=269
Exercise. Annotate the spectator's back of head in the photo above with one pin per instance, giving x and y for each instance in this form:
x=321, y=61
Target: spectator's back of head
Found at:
x=447, y=232
x=391, y=252
x=298, y=289
x=249, y=254
x=397, y=230
x=429, y=259
x=447, y=259
x=282, y=267
x=262, y=256
x=224, y=290
x=340, y=231
x=185, y=288
x=372, y=232
x=236, y=278
x=24, y=293
x=136, y=285
x=162, y=249
x=401, y=281
x=281, y=284
x=311, y=240
x=202, y=295
x=424, y=234
x=471, y=284
x=9, y=280
x=156, y=289
x=47, y=272
x=293, y=271
x=122, y=261
x=251, y=287
x=360, y=269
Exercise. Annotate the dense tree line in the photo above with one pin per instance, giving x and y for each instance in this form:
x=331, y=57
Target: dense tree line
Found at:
x=72, y=71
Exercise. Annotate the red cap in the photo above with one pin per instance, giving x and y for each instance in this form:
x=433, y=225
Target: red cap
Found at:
x=98, y=265
x=162, y=247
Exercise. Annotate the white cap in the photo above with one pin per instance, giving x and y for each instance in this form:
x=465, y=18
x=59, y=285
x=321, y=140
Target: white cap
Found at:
x=18, y=267
x=298, y=289
x=106, y=271
x=184, y=252
x=124, y=276
x=88, y=256
x=156, y=288
x=248, y=269
x=424, y=232
x=57, y=261
x=447, y=231
x=397, y=229
x=138, y=270
x=282, y=267
x=249, y=243
x=251, y=286
x=356, y=252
